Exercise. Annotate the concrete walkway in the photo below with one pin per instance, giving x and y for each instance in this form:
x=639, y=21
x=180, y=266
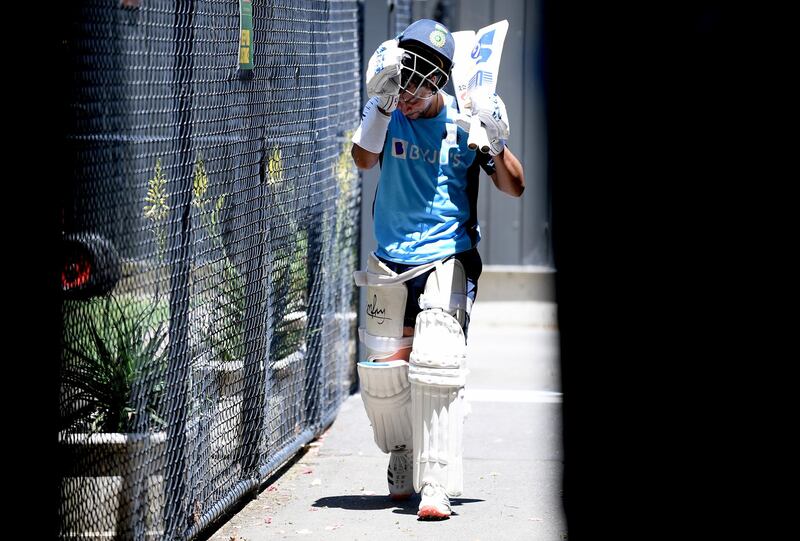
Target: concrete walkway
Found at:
x=512, y=455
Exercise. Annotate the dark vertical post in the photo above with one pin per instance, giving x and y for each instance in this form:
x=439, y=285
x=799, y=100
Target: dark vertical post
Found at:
x=179, y=242
x=255, y=315
x=316, y=278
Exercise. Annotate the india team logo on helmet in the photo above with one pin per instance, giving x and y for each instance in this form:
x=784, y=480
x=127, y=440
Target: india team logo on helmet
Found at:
x=438, y=37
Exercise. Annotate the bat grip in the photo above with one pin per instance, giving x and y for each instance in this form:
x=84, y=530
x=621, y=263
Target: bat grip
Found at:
x=477, y=136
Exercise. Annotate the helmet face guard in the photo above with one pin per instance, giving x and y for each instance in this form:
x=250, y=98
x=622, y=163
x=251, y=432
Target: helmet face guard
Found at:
x=429, y=55
x=418, y=71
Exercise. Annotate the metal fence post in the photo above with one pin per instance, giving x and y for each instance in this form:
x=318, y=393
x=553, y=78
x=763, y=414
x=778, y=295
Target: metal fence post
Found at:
x=176, y=512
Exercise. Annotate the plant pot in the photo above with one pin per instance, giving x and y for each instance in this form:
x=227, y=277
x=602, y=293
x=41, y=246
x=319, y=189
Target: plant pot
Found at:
x=112, y=479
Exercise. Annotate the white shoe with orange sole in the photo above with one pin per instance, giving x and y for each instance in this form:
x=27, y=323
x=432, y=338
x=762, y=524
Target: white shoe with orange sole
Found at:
x=435, y=504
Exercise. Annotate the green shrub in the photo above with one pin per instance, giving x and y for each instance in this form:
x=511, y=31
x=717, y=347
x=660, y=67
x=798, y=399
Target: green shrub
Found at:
x=115, y=359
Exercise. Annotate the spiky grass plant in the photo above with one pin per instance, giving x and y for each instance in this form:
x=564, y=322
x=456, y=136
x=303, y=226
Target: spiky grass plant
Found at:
x=115, y=366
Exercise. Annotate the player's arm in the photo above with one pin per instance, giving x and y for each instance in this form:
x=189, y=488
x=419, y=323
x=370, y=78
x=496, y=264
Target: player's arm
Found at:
x=383, y=87
x=364, y=159
x=509, y=177
x=370, y=135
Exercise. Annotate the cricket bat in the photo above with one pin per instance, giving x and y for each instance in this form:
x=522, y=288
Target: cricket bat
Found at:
x=476, y=63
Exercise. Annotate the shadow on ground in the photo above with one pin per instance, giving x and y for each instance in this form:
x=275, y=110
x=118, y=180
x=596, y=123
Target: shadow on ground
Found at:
x=360, y=502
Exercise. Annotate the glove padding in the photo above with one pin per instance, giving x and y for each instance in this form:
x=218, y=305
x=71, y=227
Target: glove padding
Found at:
x=387, y=104
x=492, y=112
x=383, y=73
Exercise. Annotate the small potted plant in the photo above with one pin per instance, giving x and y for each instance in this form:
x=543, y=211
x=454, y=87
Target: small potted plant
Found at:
x=113, y=396
x=114, y=367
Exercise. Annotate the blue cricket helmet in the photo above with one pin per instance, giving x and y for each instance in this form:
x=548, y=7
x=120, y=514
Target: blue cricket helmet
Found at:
x=431, y=48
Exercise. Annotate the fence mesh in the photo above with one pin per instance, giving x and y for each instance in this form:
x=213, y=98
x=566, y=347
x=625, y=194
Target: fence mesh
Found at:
x=210, y=231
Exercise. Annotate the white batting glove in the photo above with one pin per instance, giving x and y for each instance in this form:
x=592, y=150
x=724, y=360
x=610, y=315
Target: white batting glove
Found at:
x=383, y=73
x=387, y=104
x=492, y=112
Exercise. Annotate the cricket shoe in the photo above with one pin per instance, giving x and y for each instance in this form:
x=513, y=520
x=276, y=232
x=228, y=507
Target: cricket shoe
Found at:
x=435, y=504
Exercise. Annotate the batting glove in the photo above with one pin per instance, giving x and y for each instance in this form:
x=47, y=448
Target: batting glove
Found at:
x=492, y=112
x=387, y=104
x=383, y=74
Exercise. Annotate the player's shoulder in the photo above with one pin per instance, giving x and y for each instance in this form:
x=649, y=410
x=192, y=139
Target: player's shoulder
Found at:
x=449, y=101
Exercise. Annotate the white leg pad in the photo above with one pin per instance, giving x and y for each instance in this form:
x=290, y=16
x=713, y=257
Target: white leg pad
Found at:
x=386, y=305
x=437, y=373
x=446, y=288
x=386, y=393
x=438, y=414
x=385, y=389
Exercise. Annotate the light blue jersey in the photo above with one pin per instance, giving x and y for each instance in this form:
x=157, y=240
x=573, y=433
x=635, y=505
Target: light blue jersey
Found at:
x=425, y=207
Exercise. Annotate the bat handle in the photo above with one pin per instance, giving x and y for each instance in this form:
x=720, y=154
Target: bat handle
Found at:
x=477, y=136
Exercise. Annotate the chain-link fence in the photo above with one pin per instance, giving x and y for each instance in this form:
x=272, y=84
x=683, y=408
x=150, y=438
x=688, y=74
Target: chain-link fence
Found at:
x=210, y=218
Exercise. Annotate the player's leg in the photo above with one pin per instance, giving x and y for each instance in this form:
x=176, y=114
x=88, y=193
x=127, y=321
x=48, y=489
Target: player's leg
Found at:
x=385, y=389
x=437, y=374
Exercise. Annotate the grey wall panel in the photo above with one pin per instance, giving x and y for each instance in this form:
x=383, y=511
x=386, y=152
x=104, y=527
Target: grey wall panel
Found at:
x=473, y=14
x=536, y=201
x=505, y=212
